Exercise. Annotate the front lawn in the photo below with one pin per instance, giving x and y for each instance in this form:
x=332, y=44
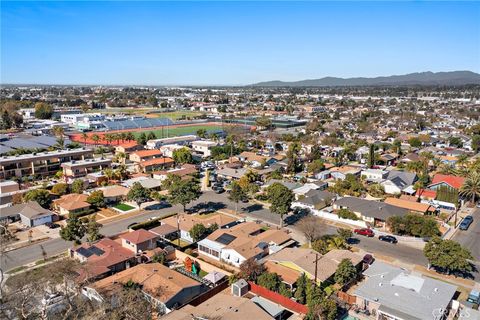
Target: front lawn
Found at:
x=124, y=207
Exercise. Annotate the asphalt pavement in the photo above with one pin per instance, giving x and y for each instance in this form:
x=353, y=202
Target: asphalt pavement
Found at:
x=471, y=238
x=399, y=252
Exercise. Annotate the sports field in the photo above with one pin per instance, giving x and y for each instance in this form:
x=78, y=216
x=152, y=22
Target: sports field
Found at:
x=169, y=131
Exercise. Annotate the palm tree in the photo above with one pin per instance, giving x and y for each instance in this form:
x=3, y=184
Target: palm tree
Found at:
x=130, y=136
x=60, y=144
x=471, y=186
x=108, y=138
x=95, y=139
x=58, y=131
x=84, y=137
x=462, y=160
x=109, y=174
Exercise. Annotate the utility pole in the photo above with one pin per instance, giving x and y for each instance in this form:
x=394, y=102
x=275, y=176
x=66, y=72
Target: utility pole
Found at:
x=316, y=267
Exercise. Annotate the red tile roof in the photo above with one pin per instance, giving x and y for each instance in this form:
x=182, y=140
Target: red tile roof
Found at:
x=453, y=181
x=155, y=161
x=138, y=236
x=147, y=153
x=426, y=194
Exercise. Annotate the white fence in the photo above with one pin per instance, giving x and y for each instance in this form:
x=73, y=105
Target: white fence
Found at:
x=331, y=216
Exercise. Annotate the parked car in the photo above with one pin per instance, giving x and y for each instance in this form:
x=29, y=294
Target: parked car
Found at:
x=52, y=225
x=368, y=259
x=474, y=297
x=364, y=232
x=131, y=225
x=466, y=222
x=390, y=239
x=218, y=189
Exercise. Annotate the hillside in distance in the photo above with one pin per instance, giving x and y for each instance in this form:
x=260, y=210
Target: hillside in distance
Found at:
x=453, y=78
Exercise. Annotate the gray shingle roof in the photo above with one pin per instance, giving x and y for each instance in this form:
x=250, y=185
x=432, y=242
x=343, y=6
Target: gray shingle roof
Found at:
x=403, y=294
x=370, y=208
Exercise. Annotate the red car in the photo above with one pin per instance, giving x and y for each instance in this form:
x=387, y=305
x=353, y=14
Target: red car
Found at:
x=364, y=232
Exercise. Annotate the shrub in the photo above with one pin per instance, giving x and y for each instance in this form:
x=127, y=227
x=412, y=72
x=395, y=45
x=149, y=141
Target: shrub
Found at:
x=347, y=214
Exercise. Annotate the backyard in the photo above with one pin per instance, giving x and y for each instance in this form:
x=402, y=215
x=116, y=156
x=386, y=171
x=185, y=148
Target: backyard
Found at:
x=124, y=207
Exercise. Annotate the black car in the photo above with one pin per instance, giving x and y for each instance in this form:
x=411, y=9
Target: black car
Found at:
x=466, y=222
x=390, y=239
x=52, y=225
x=218, y=189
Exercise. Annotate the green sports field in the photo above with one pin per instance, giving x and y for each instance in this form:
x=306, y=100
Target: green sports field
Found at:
x=179, y=131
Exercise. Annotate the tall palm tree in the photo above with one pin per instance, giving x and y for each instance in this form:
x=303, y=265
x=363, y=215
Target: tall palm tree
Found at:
x=95, y=139
x=130, y=136
x=471, y=186
x=84, y=137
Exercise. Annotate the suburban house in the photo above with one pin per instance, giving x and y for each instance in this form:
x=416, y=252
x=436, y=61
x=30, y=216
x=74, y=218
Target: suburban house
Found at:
x=301, y=191
x=291, y=263
x=186, y=222
x=147, y=183
x=71, y=204
x=31, y=214
x=231, y=173
x=374, y=175
x=391, y=292
x=143, y=155
x=102, y=258
x=373, y=212
x=204, y=147
x=316, y=199
x=155, y=164
x=340, y=173
x=183, y=172
x=241, y=242
x=139, y=240
x=443, y=180
x=77, y=169
x=114, y=194
x=166, y=288
x=221, y=306
x=397, y=182
x=412, y=206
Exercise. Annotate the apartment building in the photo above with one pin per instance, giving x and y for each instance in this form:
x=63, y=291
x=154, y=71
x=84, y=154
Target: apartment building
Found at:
x=41, y=163
x=80, y=168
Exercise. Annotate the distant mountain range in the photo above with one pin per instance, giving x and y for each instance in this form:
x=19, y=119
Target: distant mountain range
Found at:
x=454, y=78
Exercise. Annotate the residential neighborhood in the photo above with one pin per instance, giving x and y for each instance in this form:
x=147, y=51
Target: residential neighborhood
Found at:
x=153, y=168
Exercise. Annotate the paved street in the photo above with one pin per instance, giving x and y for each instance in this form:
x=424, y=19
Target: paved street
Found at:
x=471, y=237
x=399, y=252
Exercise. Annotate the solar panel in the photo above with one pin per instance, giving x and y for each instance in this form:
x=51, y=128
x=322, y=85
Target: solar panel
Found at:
x=84, y=252
x=225, y=238
x=96, y=250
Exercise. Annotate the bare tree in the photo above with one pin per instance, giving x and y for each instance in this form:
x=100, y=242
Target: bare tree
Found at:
x=311, y=228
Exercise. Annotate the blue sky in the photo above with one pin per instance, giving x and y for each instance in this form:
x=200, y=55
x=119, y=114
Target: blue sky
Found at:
x=214, y=43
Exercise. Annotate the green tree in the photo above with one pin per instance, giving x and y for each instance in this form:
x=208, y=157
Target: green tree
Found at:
x=344, y=233
x=142, y=139
x=95, y=138
x=74, y=230
x=202, y=133
x=41, y=196
x=93, y=229
x=471, y=187
x=138, y=194
x=284, y=290
x=476, y=143
x=448, y=255
x=371, y=156
x=315, y=166
x=151, y=136
x=415, y=142
x=269, y=280
x=60, y=189
x=264, y=122
x=281, y=199
x=197, y=232
x=182, y=155
x=237, y=194
x=96, y=199
x=78, y=186
x=160, y=257
x=43, y=110
x=346, y=272
x=413, y=225
x=183, y=192
x=301, y=291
